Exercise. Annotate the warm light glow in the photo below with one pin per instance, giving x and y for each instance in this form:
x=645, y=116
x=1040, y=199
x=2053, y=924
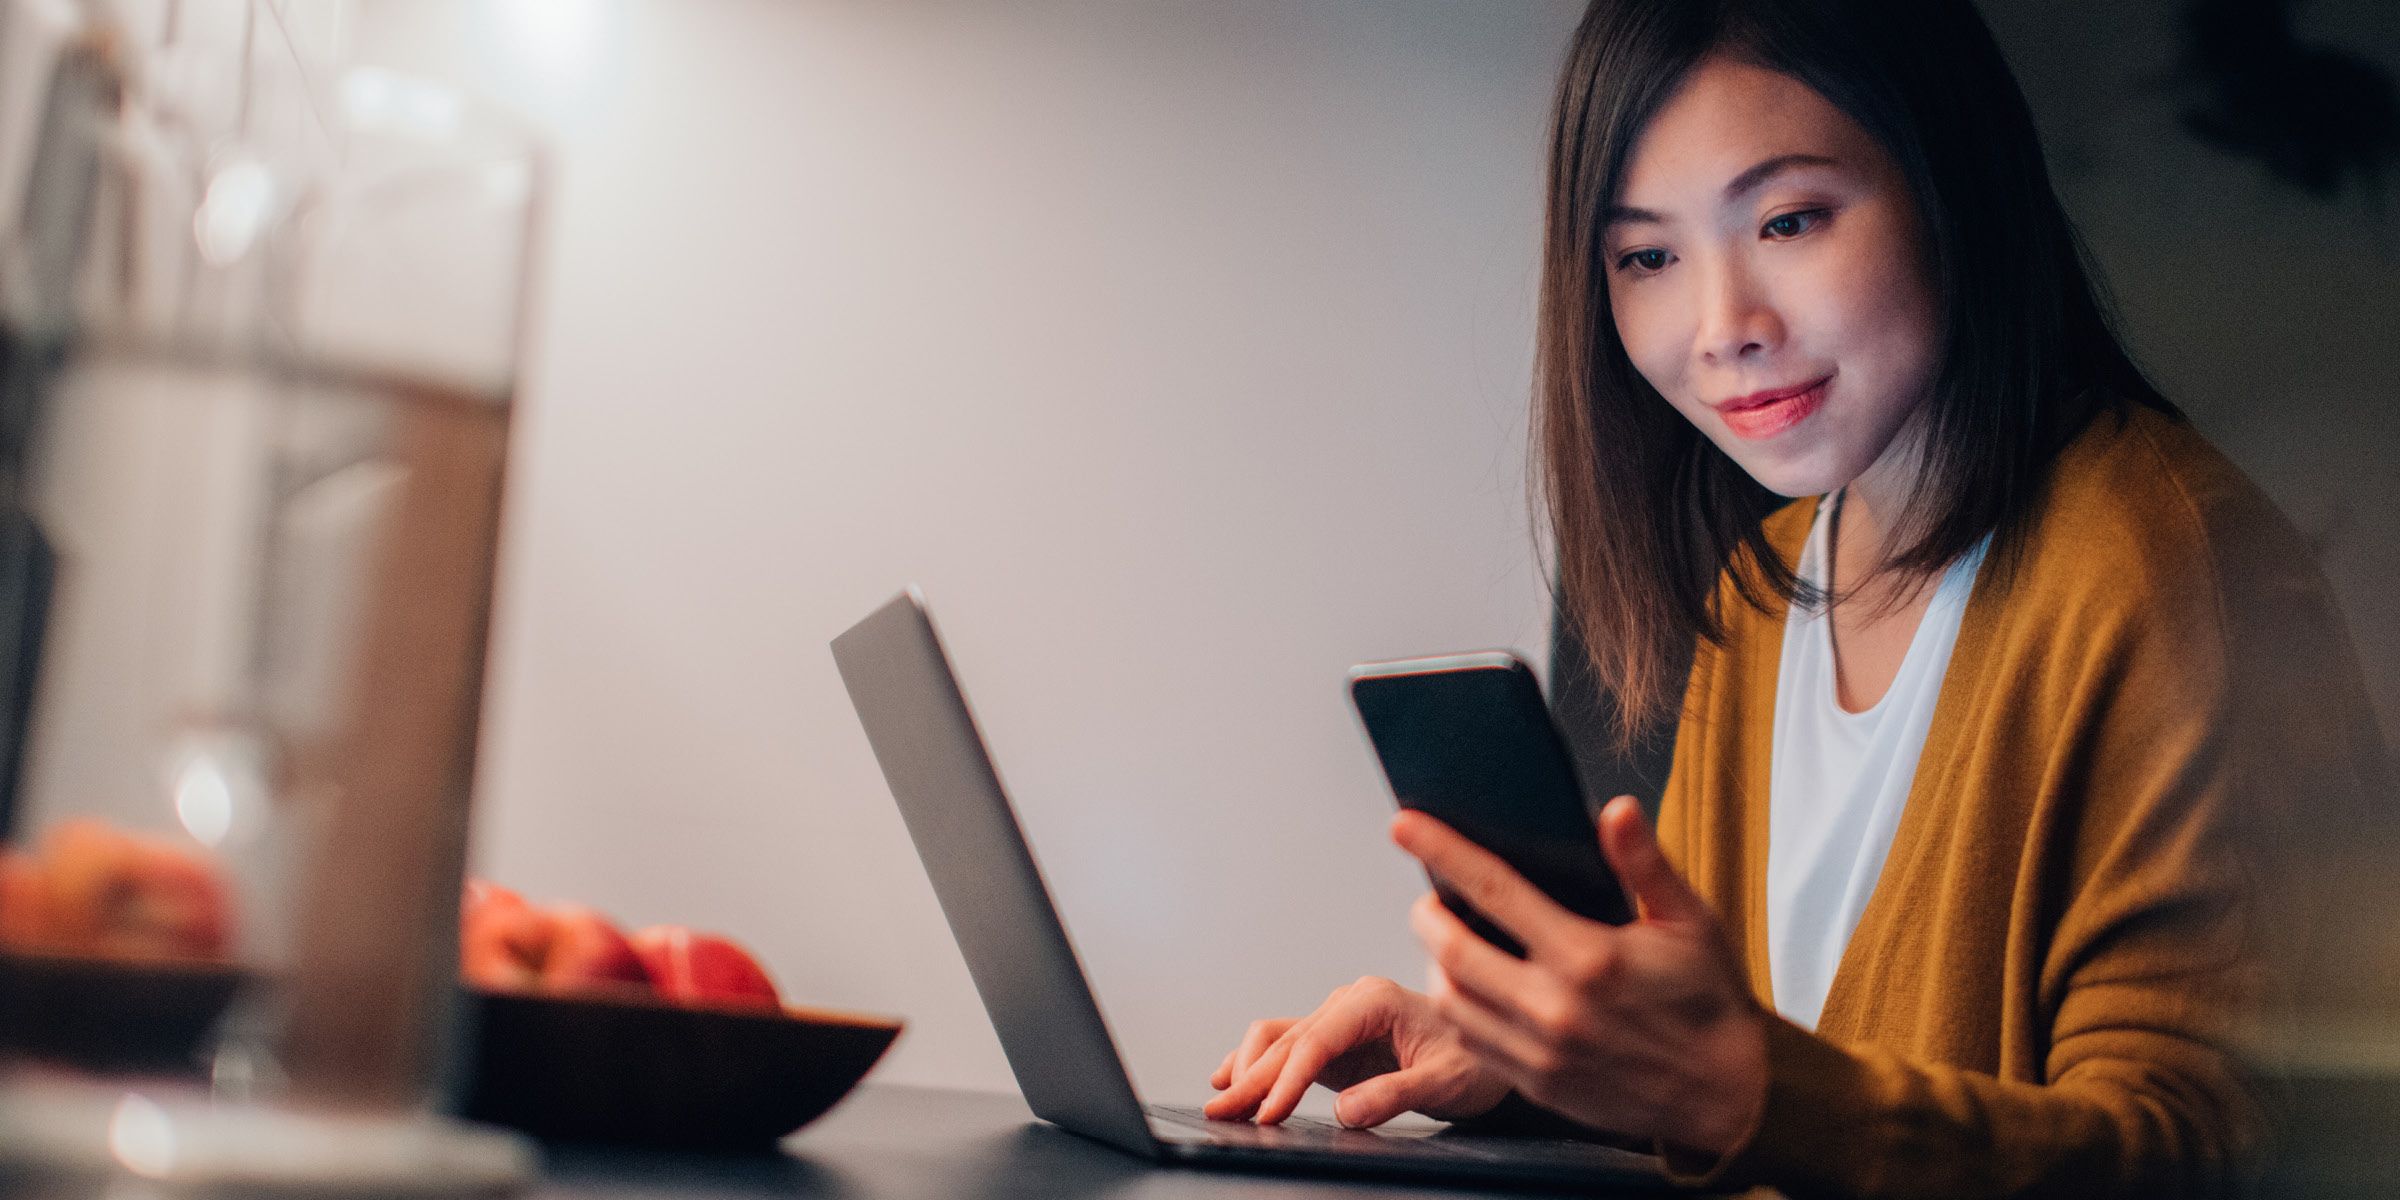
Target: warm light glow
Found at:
x=204, y=800
x=141, y=1137
x=240, y=201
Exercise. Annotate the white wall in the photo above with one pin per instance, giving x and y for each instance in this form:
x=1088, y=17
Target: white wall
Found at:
x=1179, y=352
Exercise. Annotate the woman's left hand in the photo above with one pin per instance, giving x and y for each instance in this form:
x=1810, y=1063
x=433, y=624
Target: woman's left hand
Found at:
x=1644, y=1029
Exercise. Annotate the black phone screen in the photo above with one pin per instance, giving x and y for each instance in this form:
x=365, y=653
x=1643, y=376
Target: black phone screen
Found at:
x=1468, y=739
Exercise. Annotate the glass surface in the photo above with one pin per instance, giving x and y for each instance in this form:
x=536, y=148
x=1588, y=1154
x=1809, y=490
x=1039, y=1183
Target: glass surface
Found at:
x=254, y=410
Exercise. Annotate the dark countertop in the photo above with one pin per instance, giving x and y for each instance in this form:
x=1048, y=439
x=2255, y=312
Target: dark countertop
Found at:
x=893, y=1141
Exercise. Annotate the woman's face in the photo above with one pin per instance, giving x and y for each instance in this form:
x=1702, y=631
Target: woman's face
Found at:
x=1767, y=273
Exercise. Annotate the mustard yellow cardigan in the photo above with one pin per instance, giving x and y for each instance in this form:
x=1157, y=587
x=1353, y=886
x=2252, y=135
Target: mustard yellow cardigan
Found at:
x=2045, y=992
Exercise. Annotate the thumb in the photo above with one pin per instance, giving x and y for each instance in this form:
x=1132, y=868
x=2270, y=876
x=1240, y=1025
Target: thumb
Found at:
x=1372, y=1102
x=1633, y=852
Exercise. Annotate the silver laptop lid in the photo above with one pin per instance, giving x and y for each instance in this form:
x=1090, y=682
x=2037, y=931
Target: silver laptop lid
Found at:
x=984, y=875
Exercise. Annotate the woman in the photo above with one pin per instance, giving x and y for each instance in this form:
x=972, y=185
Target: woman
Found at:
x=1958, y=884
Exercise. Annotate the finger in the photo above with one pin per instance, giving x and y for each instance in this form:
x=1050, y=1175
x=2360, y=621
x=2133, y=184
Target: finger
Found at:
x=1469, y=964
x=1633, y=852
x=1254, y=1042
x=1371, y=1102
x=1262, y=1035
x=1341, y=1031
x=1250, y=1084
x=1506, y=1050
x=1491, y=885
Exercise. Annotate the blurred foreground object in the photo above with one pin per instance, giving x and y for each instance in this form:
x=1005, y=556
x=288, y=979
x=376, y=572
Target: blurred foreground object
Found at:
x=2331, y=1055
x=89, y=889
x=625, y=1067
x=254, y=410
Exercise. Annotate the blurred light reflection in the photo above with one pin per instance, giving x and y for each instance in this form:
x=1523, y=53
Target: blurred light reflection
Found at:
x=240, y=200
x=559, y=38
x=204, y=800
x=141, y=1137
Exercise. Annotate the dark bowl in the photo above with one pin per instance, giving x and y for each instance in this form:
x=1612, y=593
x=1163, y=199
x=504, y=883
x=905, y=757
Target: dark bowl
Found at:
x=625, y=1071
x=631, y=1071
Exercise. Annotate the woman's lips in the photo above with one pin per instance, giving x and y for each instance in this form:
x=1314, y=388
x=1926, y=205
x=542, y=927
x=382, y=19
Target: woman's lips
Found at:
x=1773, y=417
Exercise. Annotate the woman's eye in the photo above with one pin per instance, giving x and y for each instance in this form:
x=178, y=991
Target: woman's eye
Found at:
x=1646, y=262
x=1793, y=224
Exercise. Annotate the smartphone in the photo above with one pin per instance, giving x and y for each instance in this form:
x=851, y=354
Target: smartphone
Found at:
x=1468, y=739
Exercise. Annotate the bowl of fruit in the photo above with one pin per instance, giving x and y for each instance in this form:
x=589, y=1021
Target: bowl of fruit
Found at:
x=113, y=956
x=667, y=1036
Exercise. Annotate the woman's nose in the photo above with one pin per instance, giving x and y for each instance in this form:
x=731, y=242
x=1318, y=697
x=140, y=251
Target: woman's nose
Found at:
x=1736, y=321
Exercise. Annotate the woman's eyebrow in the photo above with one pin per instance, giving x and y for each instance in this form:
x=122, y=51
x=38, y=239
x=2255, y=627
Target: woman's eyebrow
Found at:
x=1751, y=179
x=1744, y=183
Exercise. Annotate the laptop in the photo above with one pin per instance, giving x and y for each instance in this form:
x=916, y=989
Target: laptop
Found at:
x=1050, y=1026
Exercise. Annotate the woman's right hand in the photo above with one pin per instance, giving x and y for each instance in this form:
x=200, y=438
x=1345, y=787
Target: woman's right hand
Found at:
x=1383, y=1047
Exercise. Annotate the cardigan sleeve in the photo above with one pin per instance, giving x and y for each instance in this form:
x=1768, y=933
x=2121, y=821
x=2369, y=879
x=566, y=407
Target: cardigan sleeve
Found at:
x=1859, y=1121
x=2142, y=862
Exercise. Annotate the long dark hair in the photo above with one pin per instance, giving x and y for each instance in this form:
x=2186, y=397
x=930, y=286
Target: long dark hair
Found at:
x=1646, y=512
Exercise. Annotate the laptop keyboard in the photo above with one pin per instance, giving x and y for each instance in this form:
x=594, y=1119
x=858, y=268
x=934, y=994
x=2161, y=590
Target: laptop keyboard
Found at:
x=1197, y=1120
x=1422, y=1142
x=1305, y=1133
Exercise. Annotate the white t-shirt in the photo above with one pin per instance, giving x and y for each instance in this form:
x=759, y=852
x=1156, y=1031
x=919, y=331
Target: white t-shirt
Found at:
x=1838, y=780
